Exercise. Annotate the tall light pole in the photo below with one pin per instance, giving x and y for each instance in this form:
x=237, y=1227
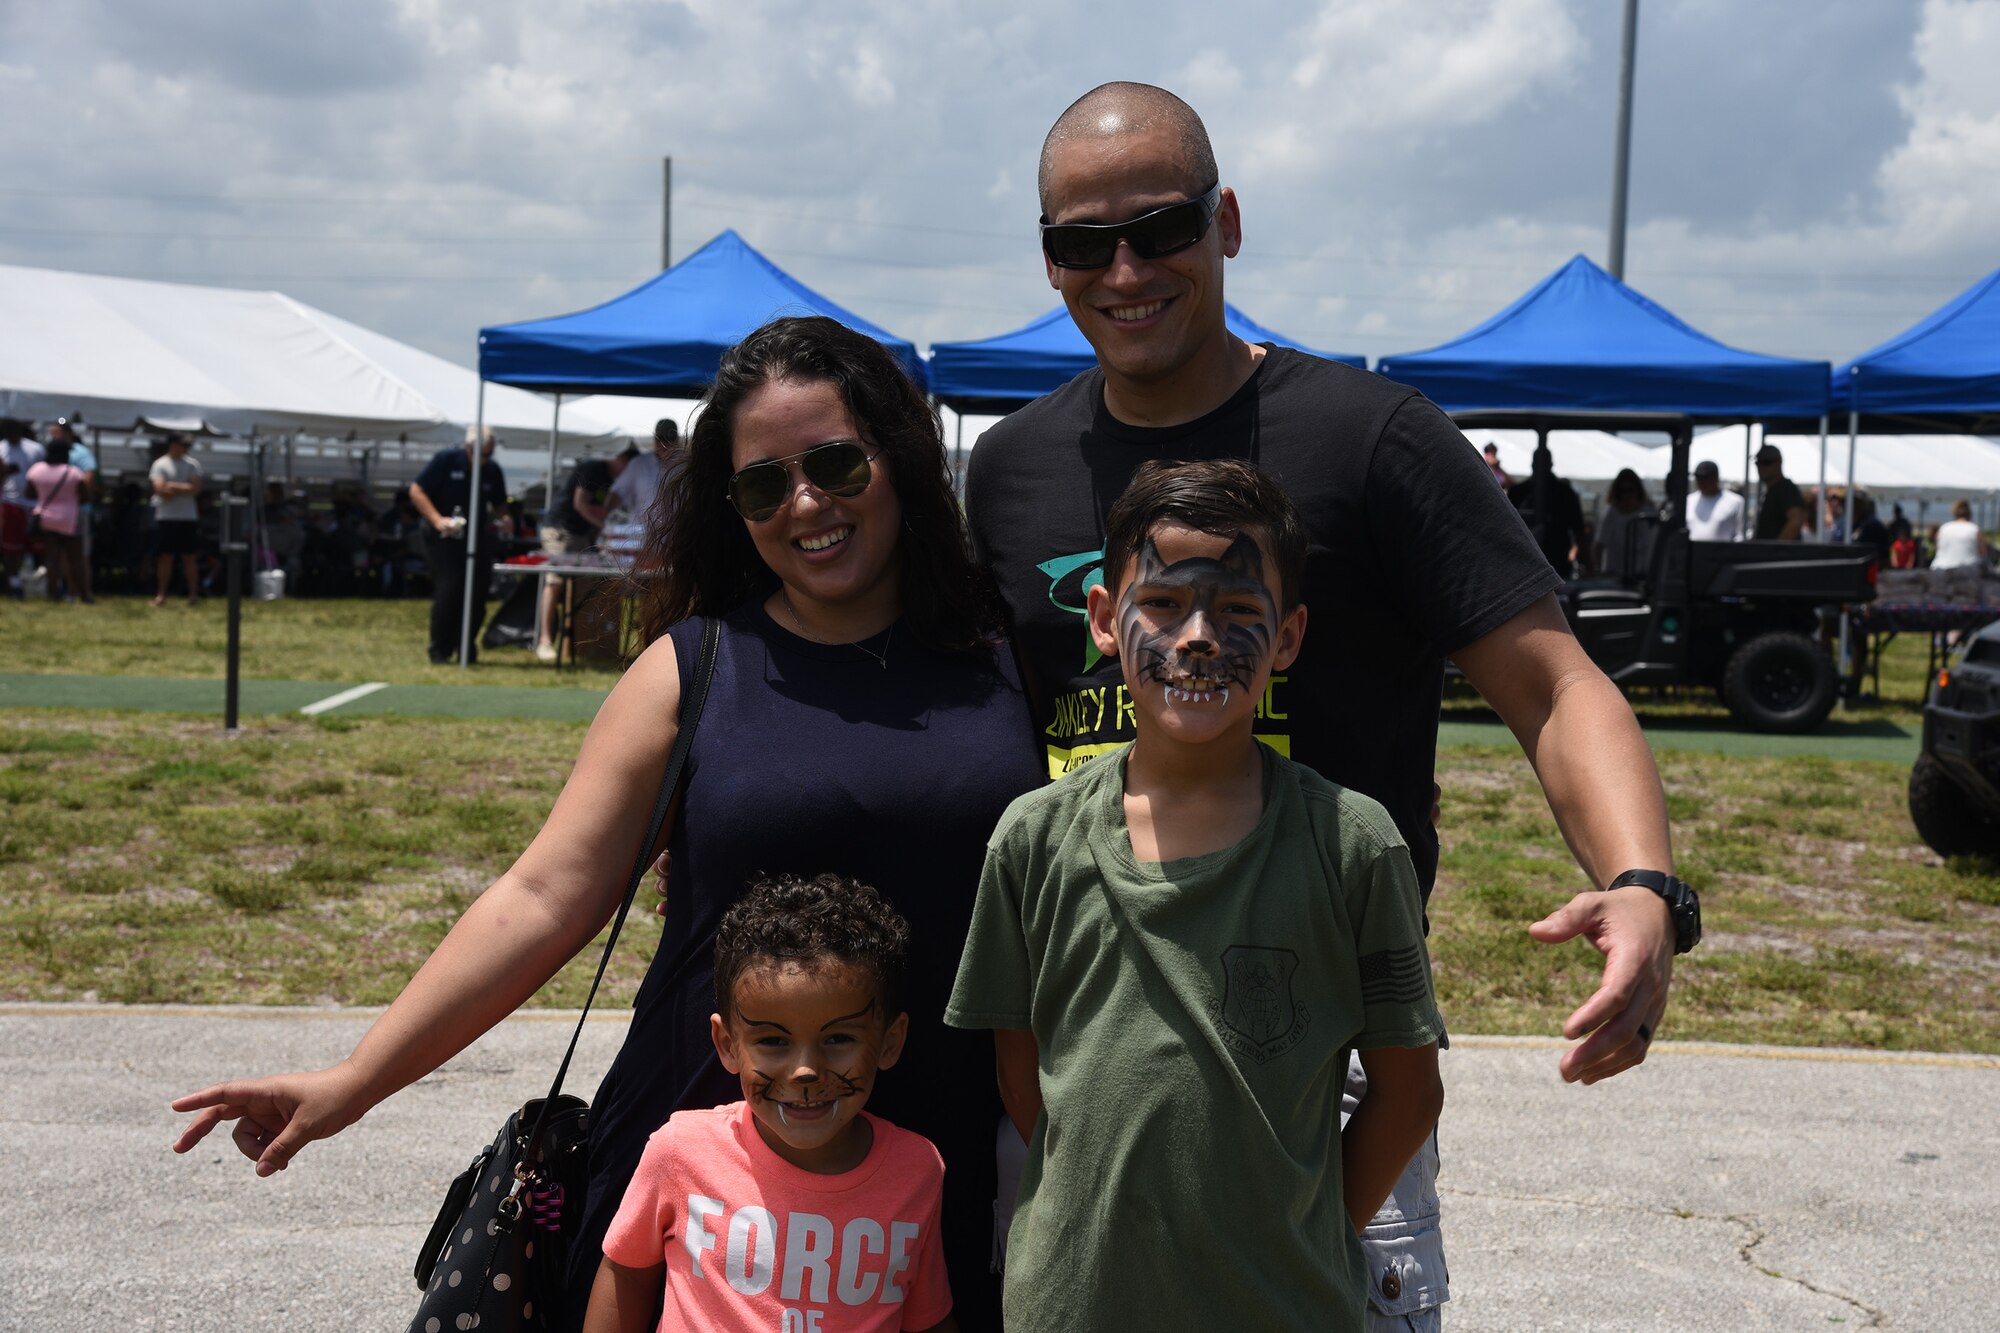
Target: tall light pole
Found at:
x=1621, y=169
x=666, y=213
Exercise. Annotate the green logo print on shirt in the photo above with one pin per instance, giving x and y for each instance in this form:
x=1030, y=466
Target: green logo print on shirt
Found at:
x=1061, y=586
x=1261, y=1018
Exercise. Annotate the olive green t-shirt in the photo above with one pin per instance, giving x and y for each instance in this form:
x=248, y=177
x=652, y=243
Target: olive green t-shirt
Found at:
x=1194, y=1019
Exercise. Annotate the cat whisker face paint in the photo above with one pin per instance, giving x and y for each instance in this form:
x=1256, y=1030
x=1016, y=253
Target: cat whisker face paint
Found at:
x=1199, y=628
x=805, y=1043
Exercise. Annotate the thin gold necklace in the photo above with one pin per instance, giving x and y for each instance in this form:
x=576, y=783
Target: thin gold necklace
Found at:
x=881, y=658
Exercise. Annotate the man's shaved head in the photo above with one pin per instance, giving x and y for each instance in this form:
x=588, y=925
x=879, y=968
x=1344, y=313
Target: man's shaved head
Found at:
x=1113, y=109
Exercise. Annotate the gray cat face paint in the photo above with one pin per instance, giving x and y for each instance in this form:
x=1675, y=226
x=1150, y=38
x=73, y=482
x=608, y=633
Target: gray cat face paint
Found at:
x=1199, y=627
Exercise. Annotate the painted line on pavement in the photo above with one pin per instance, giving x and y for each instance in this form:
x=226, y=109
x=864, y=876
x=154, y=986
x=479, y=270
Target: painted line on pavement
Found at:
x=1470, y=1041
x=344, y=697
x=1828, y=1055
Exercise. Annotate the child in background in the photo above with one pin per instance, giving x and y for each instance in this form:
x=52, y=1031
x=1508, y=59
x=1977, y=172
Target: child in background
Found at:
x=1178, y=944
x=791, y=1211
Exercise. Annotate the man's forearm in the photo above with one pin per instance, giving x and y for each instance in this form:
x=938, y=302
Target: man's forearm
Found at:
x=1598, y=774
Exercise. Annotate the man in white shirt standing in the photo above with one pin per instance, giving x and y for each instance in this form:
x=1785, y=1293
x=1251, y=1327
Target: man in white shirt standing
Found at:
x=176, y=479
x=1714, y=515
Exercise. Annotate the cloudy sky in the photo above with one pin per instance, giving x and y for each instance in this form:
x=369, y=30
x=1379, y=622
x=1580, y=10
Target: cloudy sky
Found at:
x=1809, y=176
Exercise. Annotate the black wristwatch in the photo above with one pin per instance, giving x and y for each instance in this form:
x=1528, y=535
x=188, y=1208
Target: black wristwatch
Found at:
x=1681, y=901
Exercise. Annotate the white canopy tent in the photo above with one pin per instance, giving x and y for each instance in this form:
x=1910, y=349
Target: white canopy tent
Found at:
x=126, y=353
x=1916, y=470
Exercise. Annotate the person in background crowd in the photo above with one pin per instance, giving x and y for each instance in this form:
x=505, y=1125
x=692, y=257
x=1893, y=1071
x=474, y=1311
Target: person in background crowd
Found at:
x=1903, y=551
x=1869, y=529
x=442, y=494
x=84, y=460
x=1783, y=514
x=1415, y=560
x=1959, y=544
x=1713, y=514
x=1560, y=530
x=59, y=489
x=574, y=519
x=1500, y=477
x=1623, y=544
x=176, y=479
x=17, y=455
x=651, y=480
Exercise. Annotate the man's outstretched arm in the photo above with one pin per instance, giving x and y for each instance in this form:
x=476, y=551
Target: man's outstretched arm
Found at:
x=1599, y=777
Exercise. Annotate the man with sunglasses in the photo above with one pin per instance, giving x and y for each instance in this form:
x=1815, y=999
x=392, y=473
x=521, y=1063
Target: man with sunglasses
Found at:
x=1415, y=557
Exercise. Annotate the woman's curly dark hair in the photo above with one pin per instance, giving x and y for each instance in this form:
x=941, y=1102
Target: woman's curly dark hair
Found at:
x=709, y=565
x=793, y=919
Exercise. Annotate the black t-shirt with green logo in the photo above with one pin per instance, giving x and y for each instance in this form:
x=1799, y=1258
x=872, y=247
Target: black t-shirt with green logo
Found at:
x=1415, y=553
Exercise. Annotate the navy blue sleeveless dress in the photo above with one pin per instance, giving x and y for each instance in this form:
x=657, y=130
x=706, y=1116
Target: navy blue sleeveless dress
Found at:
x=814, y=757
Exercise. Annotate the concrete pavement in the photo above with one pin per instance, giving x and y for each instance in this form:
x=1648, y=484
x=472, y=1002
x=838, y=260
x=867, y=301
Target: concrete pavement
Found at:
x=1715, y=1187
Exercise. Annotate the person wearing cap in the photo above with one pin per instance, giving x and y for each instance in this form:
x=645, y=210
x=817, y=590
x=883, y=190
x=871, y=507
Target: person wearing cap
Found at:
x=638, y=489
x=574, y=518
x=176, y=481
x=1782, y=516
x=442, y=494
x=1713, y=514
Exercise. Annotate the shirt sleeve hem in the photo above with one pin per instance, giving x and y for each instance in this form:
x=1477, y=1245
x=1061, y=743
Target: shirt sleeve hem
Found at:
x=1503, y=609
x=1422, y=1034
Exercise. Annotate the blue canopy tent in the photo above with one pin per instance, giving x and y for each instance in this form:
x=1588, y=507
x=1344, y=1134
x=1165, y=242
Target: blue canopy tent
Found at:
x=662, y=339
x=996, y=375
x=1581, y=339
x=1940, y=374
x=665, y=337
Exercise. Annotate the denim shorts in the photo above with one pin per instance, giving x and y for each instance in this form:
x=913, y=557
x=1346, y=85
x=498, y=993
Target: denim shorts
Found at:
x=1404, y=1249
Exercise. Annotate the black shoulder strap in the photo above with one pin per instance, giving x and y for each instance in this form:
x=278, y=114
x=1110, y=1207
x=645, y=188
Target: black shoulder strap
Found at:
x=691, y=706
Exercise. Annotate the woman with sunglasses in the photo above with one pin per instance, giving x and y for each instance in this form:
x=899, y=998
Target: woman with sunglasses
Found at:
x=859, y=720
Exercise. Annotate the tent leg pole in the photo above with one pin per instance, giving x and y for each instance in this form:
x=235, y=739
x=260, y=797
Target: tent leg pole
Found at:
x=1853, y=442
x=1826, y=534
x=1847, y=502
x=547, y=519
x=1747, y=475
x=475, y=474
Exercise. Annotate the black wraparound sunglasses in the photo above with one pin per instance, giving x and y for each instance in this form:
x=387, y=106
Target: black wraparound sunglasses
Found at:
x=1162, y=232
x=838, y=467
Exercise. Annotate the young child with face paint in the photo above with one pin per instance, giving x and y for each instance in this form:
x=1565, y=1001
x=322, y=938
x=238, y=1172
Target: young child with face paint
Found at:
x=1177, y=946
x=791, y=1211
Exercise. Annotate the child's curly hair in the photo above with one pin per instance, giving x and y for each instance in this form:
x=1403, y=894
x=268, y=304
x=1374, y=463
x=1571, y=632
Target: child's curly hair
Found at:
x=793, y=919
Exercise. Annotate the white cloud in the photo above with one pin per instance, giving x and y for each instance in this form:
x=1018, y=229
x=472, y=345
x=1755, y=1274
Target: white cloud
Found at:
x=428, y=166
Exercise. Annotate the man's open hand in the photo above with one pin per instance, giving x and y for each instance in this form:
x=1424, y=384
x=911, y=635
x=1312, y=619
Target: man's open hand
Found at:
x=1633, y=930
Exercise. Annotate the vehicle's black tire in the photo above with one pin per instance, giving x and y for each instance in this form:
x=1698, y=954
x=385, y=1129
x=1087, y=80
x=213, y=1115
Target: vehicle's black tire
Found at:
x=1780, y=682
x=1947, y=817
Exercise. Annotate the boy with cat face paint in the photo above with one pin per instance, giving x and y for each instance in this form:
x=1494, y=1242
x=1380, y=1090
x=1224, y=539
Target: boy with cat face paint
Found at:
x=1179, y=945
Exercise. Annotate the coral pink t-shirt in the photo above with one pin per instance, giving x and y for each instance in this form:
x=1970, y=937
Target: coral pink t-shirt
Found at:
x=752, y=1242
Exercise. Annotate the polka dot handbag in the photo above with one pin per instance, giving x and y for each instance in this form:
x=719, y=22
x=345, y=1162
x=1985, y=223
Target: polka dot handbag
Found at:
x=496, y=1255
x=495, y=1258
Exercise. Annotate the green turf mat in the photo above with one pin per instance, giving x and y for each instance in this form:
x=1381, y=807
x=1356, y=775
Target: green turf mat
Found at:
x=141, y=694
x=1835, y=739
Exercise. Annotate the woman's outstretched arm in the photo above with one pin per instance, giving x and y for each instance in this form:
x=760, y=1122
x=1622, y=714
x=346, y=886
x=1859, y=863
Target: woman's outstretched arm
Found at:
x=514, y=937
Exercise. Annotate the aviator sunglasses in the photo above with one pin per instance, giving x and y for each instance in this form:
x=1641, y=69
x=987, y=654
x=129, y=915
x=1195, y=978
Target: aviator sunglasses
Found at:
x=1154, y=235
x=838, y=467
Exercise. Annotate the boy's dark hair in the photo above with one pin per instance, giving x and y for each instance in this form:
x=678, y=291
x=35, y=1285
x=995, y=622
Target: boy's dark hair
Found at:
x=793, y=919
x=1219, y=496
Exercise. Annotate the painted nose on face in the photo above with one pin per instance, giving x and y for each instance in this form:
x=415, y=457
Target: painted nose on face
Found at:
x=1198, y=636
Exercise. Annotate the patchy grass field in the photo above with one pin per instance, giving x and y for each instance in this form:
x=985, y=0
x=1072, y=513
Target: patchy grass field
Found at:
x=331, y=640
x=1827, y=922
x=145, y=859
